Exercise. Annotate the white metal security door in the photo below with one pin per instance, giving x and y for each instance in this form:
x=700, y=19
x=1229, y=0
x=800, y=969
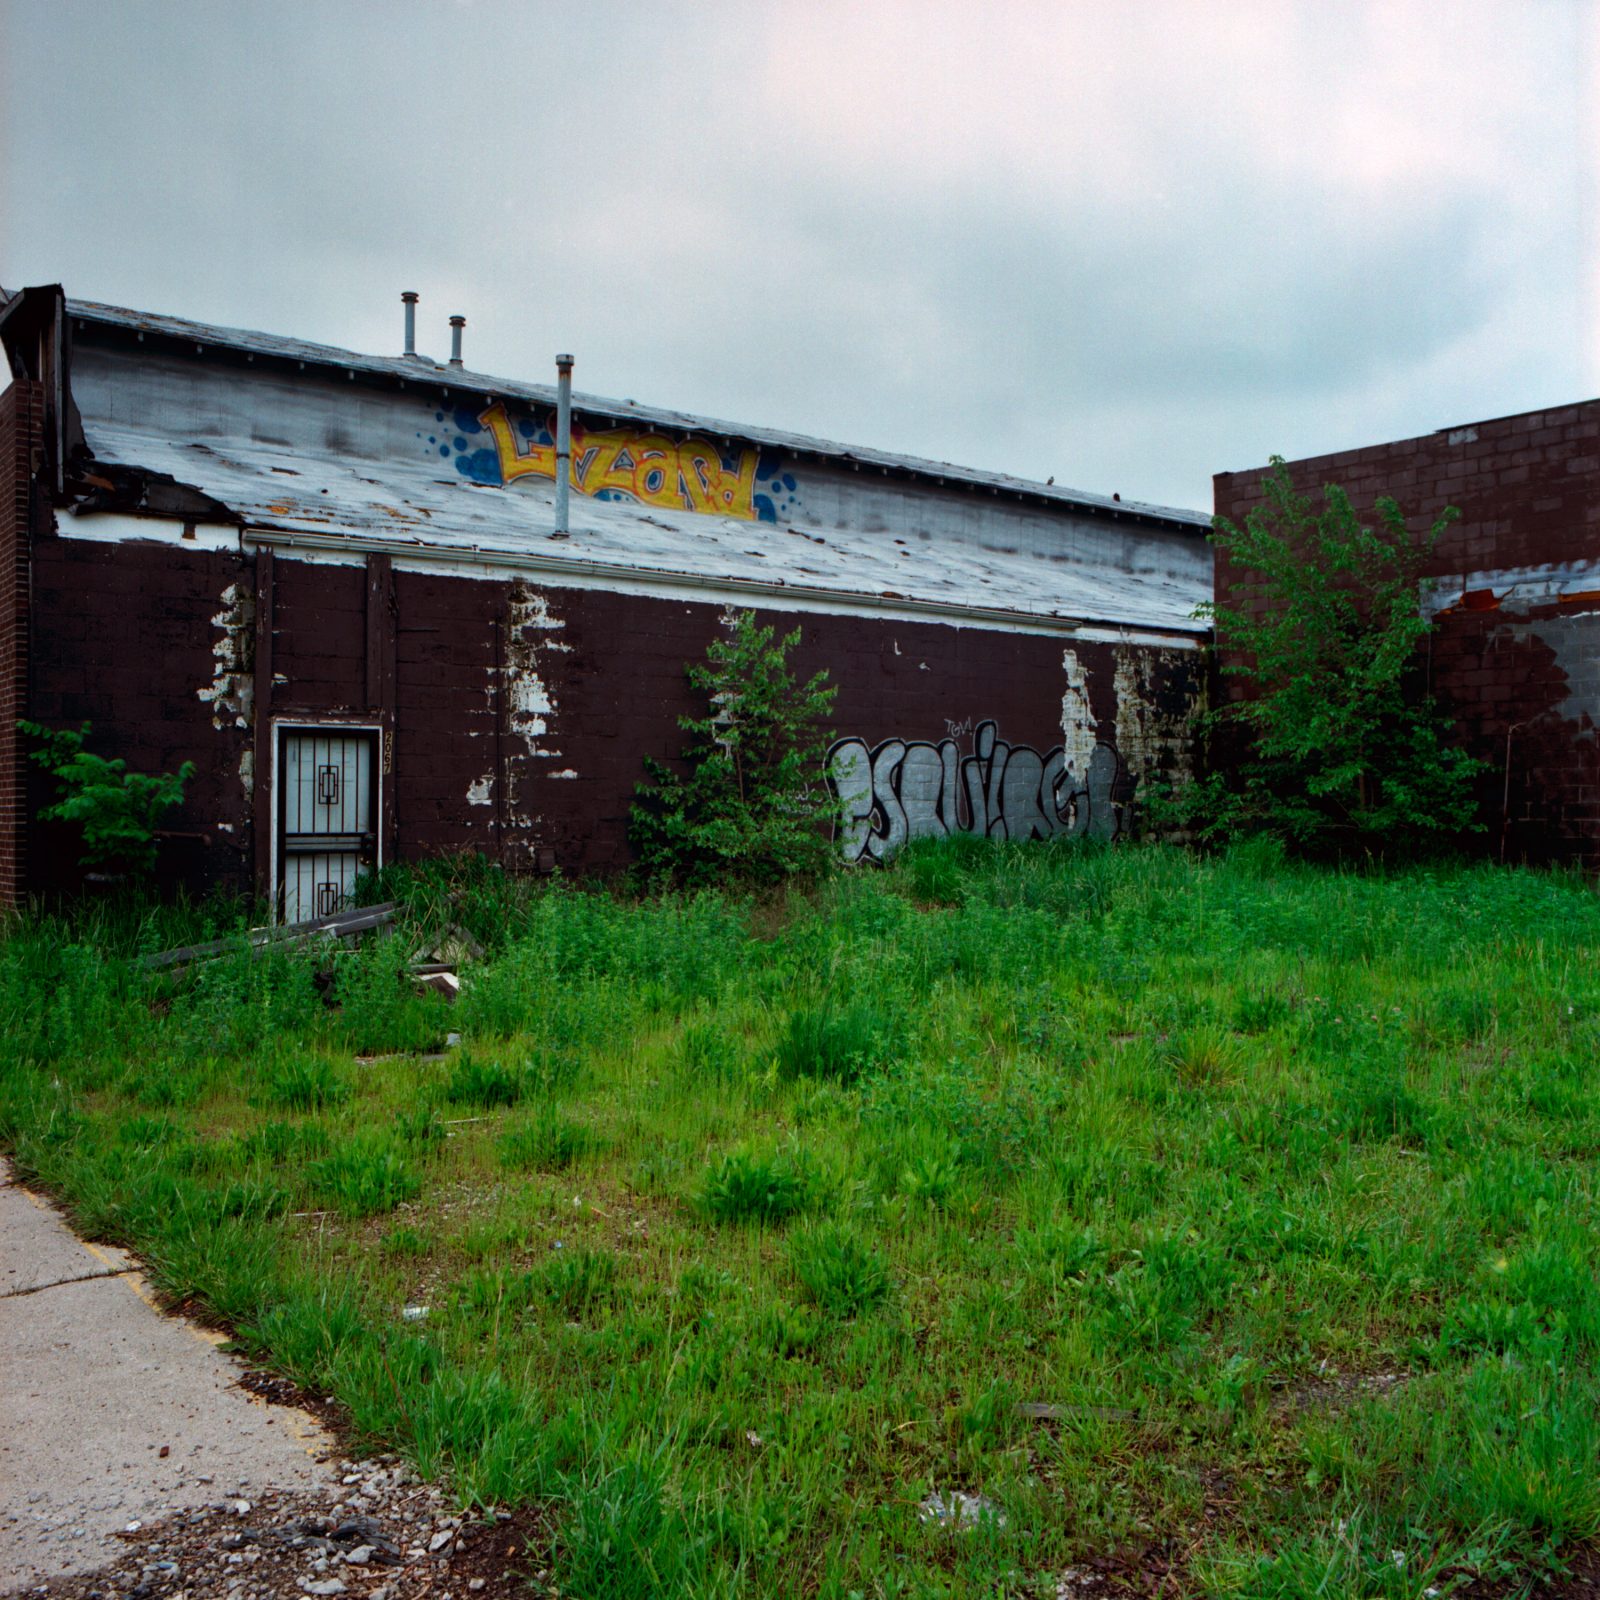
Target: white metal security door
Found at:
x=329, y=832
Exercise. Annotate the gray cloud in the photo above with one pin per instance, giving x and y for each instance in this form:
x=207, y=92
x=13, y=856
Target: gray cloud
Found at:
x=1124, y=246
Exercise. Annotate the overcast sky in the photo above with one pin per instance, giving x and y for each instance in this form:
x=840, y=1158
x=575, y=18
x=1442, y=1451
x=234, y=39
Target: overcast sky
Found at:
x=1123, y=245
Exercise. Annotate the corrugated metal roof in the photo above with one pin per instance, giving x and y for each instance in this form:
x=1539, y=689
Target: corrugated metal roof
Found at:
x=465, y=380
x=407, y=504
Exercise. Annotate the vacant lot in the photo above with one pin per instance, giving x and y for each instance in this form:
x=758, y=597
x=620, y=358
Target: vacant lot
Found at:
x=1202, y=1219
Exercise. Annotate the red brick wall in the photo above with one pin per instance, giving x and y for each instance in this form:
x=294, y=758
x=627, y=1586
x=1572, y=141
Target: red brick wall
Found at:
x=21, y=442
x=1515, y=661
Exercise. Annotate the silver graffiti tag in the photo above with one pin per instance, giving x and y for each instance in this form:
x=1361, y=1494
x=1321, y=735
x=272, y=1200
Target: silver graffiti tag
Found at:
x=917, y=790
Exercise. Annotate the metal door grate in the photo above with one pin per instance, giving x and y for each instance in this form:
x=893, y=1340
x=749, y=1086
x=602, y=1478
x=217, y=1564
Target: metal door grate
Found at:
x=328, y=832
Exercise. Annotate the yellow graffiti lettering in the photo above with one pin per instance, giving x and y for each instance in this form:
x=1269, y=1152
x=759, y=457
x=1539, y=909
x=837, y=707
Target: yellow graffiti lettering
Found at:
x=673, y=474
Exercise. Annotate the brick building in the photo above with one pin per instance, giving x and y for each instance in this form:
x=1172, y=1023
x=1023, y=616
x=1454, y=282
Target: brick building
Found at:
x=337, y=584
x=1515, y=660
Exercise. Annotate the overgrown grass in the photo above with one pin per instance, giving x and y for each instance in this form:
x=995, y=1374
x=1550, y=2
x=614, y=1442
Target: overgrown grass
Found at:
x=1236, y=1213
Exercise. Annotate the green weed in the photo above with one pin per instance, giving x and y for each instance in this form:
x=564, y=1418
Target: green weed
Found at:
x=1222, y=1206
x=842, y=1274
x=364, y=1178
x=544, y=1142
x=746, y=1187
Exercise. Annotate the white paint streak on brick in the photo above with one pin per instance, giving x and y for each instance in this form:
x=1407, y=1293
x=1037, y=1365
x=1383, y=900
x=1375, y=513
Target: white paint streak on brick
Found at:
x=524, y=697
x=1078, y=726
x=481, y=791
x=231, y=692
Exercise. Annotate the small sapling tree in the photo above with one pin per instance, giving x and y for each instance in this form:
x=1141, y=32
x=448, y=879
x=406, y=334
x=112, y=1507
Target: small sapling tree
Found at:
x=1330, y=748
x=117, y=810
x=751, y=804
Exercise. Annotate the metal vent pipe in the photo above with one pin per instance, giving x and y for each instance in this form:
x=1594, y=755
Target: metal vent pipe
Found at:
x=457, y=323
x=563, y=441
x=409, y=301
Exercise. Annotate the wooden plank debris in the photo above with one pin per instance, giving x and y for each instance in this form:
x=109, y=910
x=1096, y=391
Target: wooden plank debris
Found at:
x=341, y=925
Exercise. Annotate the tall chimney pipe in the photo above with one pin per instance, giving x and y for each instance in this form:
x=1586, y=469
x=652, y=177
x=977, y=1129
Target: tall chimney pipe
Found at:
x=409, y=301
x=457, y=323
x=563, y=441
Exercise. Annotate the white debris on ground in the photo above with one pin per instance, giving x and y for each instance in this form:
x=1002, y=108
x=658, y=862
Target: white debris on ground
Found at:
x=956, y=1508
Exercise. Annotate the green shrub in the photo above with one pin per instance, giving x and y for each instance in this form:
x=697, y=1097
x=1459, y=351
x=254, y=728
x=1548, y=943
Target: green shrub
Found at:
x=1330, y=748
x=749, y=802
x=117, y=810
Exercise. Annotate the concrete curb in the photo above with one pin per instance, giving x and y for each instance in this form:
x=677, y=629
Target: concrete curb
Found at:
x=112, y=1412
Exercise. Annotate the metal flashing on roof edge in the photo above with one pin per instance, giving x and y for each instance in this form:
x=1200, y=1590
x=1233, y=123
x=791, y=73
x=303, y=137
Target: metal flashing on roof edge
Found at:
x=774, y=593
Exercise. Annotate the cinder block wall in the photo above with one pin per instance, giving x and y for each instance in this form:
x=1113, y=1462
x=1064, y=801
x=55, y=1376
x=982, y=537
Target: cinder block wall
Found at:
x=1516, y=658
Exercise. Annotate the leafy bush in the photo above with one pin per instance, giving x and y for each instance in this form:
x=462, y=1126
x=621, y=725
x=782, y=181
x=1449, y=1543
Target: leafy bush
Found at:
x=752, y=805
x=117, y=810
x=1326, y=749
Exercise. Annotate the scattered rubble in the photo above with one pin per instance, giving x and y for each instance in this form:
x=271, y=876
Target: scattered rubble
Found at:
x=376, y=1534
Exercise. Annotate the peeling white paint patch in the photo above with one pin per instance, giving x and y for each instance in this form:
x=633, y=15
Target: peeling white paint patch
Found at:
x=231, y=692
x=481, y=792
x=522, y=697
x=1151, y=737
x=1078, y=724
x=566, y=772
x=528, y=702
x=247, y=773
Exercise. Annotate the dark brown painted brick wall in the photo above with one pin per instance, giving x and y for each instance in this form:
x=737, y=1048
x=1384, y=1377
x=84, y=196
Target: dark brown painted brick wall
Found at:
x=123, y=638
x=552, y=696
x=1522, y=683
x=21, y=443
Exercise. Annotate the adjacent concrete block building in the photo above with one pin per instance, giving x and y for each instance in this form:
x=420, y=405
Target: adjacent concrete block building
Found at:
x=1515, y=660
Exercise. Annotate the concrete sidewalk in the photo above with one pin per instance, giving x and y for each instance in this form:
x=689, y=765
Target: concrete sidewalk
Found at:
x=110, y=1411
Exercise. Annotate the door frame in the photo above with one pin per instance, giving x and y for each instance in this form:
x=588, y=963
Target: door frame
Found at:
x=275, y=798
